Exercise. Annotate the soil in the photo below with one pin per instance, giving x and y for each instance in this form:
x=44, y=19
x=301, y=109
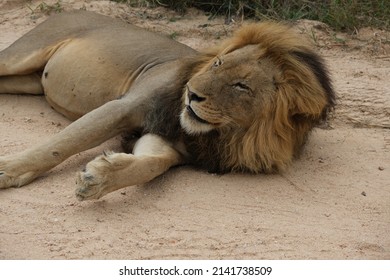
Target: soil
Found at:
x=333, y=203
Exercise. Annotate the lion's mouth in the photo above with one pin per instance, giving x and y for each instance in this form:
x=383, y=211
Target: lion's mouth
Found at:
x=192, y=114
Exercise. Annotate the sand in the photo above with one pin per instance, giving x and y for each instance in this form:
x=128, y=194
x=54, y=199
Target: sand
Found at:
x=333, y=203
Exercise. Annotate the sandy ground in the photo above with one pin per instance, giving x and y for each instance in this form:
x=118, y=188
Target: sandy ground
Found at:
x=333, y=203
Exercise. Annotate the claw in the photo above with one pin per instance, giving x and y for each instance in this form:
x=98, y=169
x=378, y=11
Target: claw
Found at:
x=79, y=197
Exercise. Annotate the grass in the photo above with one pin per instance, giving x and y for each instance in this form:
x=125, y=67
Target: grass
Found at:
x=343, y=15
x=48, y=9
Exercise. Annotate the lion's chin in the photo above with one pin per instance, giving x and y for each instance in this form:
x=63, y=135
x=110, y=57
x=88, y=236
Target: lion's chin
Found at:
x=193, y=125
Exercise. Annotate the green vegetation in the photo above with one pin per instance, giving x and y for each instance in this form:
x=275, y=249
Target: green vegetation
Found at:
x=345, y=15
x=48, y=9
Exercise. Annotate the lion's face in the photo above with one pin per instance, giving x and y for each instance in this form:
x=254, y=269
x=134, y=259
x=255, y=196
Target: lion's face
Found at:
x=230, y=90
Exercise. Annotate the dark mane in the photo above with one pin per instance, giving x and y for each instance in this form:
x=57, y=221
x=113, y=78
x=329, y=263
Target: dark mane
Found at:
x=317, y=65
x=164, y=110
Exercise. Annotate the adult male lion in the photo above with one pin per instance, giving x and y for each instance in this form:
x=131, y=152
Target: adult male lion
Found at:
x=245, y=105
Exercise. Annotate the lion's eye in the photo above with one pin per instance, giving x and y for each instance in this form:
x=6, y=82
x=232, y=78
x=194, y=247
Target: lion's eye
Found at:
x=241, y=86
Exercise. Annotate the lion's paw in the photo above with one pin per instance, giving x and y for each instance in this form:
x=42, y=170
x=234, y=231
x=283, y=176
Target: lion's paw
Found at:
x=12, y=176
x=6, y=181
x=95, y=180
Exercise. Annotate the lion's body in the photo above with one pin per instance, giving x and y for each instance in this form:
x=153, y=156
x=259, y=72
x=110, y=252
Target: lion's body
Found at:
x=107, y=55
x=248, y=105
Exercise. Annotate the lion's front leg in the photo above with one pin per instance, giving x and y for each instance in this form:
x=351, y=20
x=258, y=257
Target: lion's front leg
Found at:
x=87, y=132
x=152, y=157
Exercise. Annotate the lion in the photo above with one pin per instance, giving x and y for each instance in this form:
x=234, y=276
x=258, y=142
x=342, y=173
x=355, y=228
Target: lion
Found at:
x=246, y=105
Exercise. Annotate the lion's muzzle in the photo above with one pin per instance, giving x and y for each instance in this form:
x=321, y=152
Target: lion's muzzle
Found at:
x=195, y=116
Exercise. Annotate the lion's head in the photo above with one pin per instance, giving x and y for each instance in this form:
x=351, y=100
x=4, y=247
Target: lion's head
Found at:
x=258, y=94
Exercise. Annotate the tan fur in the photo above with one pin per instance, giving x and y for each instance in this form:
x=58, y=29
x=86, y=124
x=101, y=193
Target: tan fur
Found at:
x=248, y=104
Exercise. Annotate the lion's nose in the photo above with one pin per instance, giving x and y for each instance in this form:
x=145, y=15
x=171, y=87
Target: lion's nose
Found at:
x=192, y=96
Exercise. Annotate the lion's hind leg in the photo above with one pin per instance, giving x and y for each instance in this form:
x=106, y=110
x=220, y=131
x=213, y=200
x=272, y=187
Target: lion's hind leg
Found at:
x=21, y=67
x=20, y=71
x=21, y=84
x=22, y=63
x=152, y=156
x=28, y=55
